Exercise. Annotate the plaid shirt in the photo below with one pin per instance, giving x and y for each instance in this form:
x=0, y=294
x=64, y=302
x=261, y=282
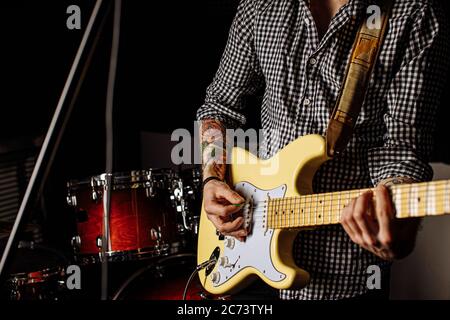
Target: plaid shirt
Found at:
x=274, y=45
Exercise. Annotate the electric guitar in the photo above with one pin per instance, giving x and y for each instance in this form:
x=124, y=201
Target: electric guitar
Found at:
x=279, y=202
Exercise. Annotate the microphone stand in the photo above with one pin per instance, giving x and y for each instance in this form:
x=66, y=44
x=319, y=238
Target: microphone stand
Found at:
x=57, y=126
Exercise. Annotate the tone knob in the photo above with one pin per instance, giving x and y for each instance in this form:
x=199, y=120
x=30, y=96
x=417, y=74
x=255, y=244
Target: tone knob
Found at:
x=215, y=277
x=223, y=261
x=229, y=242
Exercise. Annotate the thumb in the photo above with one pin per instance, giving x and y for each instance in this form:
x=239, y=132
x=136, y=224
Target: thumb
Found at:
x=230, y=195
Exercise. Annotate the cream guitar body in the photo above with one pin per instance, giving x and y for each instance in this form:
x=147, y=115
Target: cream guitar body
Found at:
x=279, y=202
x=266, y=254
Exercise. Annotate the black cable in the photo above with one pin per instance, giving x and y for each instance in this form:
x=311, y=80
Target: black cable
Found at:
x=193, y=274
x=201, y=266
x=141, y=271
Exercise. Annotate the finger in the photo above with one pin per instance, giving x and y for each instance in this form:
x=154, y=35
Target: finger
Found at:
x=372, y=222
x=384, y=214
x=219, y=209
x=230, y=195
x=349, y=224
x=360, y=214
x=226, y=227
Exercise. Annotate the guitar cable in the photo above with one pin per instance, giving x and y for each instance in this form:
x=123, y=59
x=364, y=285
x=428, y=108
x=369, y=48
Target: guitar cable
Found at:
x=201, y=266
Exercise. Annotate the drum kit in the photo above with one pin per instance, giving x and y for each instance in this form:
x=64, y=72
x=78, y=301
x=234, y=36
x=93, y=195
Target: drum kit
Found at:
x=152, y=223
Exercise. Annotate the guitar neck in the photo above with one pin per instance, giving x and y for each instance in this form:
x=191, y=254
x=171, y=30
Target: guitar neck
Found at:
x=410, y=200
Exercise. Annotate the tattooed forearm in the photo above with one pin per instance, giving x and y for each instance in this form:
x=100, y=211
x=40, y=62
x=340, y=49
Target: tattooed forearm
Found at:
x=396, y=180
x=212, y=135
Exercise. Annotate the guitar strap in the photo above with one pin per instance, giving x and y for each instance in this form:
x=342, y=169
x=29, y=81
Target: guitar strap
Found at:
x=365, y=52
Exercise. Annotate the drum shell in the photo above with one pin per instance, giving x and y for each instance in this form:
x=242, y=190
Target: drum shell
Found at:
x=142, y=221
x=136, y=221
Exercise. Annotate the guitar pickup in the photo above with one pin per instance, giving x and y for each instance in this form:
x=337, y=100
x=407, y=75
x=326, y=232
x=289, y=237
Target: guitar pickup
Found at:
x=247, y=214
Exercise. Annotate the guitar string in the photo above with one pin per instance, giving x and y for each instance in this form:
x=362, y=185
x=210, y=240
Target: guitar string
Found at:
x=292, y=214
x=326, y=196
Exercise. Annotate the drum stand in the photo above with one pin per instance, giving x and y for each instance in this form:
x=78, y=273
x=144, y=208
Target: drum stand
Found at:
x=59, y=121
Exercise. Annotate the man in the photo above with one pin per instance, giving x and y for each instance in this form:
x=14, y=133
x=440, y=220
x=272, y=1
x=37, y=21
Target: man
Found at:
x=297, y=52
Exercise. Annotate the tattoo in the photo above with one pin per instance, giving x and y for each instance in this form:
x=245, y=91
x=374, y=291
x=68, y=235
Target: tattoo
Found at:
x=212, y=135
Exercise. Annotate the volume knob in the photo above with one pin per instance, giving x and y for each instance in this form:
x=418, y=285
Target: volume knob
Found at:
x=223, y=261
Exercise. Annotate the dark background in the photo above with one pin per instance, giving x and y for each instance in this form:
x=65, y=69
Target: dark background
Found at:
x=169, y=52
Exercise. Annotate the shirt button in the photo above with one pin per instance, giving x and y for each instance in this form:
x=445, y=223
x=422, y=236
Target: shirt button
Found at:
x=312, y=61
x=306, y=102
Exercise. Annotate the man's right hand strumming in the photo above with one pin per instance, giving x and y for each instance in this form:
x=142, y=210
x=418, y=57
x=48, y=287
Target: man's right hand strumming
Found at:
x=222, y=204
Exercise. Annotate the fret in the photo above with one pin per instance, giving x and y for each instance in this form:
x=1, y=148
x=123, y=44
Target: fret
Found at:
x=292, y=216
x=405, y=190
x=339, y=203
x=323, y=208
x=286, y=212
x=430, y=199
x=330, y=210
x=295, y=212
x=422, y=198
x=309, y=210
x=302, y=210
x=412, y=195
x=397, y=200
x=315, y=209
x=438, y=189
x=413, y=207
x=447, y=197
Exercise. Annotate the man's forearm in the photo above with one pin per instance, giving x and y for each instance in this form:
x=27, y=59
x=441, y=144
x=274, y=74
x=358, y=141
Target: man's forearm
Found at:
x=213, y=144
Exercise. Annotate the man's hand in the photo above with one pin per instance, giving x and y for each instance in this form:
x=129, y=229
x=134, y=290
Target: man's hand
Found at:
x=221, y=203
x=372, y=226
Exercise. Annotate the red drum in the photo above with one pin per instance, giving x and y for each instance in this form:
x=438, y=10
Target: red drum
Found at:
x=142, y=221
x=36, y=274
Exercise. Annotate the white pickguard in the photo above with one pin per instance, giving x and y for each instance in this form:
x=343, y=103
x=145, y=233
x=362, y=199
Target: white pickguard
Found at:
x=255, y=251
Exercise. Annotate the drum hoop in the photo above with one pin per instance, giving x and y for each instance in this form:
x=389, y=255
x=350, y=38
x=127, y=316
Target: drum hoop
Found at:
x=21, y=278
x=124, y=179
x=136, y=254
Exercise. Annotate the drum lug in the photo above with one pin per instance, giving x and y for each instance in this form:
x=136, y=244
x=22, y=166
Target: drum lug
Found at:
x=76, y=243
x=155, y=235
x=71, y=200
x=99, y=242
x=94, y=194
x=149, y=192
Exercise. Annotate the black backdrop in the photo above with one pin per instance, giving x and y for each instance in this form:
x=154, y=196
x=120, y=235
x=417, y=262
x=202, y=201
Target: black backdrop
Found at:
x=169, y=53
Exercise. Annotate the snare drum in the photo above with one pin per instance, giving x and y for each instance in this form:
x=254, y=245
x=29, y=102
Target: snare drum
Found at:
x=142, y=221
